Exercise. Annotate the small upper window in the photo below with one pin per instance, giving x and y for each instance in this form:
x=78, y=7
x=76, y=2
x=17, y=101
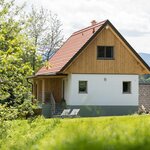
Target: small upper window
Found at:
x=105, y=52
x=82, y=86
x=126, y=87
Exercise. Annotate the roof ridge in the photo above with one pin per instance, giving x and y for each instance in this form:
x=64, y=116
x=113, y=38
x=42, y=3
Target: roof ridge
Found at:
x=89, y=27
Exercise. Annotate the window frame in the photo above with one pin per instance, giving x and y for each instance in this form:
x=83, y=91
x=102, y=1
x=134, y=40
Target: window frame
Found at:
x=130, y=87
x=105, y=58
x=80, y=92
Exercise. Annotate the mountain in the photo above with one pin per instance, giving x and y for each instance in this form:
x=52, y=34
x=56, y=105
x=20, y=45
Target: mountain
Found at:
x=146, y=57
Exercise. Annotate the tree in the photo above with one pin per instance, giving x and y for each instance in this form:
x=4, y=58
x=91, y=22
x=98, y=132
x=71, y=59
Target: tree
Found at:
x=144, y=78
x=45, y=30
x=16, y=53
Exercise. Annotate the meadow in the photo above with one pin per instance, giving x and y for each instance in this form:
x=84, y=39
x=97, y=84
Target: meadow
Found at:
x=101, y=133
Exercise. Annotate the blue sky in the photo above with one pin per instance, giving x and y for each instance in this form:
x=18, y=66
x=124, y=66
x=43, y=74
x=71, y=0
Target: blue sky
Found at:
x=130, y=17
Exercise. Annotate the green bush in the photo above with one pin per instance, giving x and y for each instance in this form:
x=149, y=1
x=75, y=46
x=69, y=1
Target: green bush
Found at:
x=8, y=113
x=23, y=111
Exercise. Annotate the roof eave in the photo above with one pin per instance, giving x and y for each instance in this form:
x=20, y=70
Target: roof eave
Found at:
x=47, y=75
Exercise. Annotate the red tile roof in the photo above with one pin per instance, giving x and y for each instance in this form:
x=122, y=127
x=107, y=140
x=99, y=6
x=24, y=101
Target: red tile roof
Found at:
x=74, y=43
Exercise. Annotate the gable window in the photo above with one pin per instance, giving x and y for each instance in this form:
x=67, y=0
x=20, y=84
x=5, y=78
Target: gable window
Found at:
x=82, y=86
x=126, y=87
x=105, y=52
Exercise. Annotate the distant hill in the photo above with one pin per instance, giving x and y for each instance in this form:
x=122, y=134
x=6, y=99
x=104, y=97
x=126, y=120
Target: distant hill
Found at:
x=146, y=57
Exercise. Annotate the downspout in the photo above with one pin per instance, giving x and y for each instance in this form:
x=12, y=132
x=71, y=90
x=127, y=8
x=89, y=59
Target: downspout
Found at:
x=31, y=85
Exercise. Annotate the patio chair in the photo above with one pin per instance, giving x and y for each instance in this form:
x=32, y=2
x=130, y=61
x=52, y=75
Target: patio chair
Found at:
x=74, y=113
x=65, y=113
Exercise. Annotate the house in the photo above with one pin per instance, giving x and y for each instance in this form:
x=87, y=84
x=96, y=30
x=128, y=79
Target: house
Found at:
x=95, y=70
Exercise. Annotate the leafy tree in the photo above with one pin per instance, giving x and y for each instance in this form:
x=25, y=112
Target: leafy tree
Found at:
x=45, y=29
x=16, y=52
x=145, y=78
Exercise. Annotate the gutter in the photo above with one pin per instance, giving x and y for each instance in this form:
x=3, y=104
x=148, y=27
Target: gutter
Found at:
x=47, y=74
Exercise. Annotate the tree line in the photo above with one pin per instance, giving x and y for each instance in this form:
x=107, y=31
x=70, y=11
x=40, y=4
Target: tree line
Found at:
x=27, y=41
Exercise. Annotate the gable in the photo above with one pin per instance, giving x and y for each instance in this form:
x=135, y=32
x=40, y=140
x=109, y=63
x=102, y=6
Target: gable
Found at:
x=69, y=49
x=124, y=62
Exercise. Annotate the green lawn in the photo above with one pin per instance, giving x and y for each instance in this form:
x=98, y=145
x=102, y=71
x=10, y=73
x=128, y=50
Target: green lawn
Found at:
x=103, y=133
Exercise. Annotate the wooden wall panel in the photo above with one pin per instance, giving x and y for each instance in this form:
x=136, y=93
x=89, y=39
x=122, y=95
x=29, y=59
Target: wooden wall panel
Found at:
x=39, y=90
x=54, y=85
x=124, y=62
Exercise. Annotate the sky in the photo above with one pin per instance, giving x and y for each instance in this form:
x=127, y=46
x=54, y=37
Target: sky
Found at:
x=130, y=17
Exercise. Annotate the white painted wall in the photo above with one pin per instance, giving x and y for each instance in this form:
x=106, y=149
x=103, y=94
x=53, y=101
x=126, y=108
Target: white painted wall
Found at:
x=101, y=92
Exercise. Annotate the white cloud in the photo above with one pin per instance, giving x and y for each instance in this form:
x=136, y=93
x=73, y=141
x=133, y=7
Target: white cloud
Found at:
x=126, y=15
x=140, y=44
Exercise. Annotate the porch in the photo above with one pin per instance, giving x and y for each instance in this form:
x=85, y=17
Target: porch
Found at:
x=49, y=91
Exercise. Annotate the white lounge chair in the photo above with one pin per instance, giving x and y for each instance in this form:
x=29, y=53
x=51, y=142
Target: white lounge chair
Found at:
x=74, y=113
x=65, y=113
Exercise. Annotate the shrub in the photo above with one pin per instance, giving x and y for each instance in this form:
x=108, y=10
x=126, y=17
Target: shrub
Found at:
x=23, y=111
x=8, y=113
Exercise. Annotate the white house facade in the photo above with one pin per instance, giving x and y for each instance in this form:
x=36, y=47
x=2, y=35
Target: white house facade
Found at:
x=102, y=92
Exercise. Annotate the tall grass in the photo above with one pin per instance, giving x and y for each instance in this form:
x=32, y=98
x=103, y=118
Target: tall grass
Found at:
x=105, y=133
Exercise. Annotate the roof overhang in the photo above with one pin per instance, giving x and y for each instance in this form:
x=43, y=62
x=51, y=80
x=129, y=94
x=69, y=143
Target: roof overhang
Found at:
x=107, y=22
x=48, y=75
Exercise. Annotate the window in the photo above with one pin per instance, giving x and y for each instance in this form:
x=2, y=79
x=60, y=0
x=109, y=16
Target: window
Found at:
x=105, y=52
x=126, y=86
x=82, y=86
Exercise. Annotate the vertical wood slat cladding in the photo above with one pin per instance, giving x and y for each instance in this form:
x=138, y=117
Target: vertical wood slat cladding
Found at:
x=124, y=61
x=54, y=85
x=39, y=90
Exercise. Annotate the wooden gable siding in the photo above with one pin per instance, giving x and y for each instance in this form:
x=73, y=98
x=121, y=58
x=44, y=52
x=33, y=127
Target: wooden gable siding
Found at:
x=125, y=62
